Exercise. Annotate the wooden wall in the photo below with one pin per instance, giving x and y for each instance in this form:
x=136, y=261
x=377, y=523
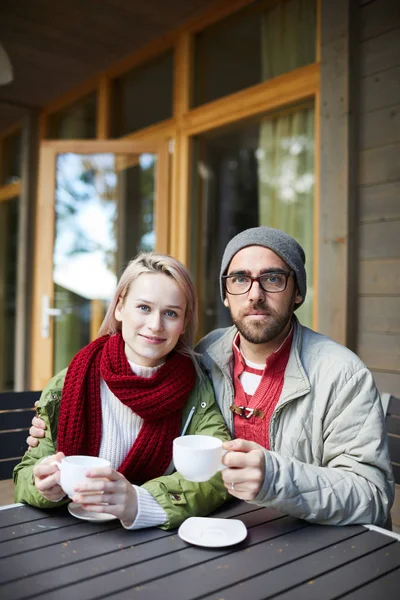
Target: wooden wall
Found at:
x=378, y=338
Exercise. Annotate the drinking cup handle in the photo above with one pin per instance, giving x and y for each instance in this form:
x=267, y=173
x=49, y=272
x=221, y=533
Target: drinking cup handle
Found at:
x=57, y=463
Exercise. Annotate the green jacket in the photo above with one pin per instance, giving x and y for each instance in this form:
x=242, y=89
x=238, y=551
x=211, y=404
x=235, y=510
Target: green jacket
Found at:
x=179, y=498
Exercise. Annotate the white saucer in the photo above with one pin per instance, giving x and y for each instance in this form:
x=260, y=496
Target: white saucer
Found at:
x=77, y=511
x=213, y=533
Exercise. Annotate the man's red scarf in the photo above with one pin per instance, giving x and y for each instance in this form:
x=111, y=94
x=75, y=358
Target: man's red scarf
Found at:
x=158, y=400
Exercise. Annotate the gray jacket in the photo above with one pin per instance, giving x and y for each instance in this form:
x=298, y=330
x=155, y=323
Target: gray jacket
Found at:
x=329, y=459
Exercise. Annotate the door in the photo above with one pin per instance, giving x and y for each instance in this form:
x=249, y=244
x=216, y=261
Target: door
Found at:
x=99, y=203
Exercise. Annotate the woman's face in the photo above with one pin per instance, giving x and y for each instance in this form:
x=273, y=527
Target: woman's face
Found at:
x=153, y=317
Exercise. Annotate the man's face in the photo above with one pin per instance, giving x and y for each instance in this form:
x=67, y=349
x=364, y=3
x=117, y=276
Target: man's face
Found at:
x=261, y=316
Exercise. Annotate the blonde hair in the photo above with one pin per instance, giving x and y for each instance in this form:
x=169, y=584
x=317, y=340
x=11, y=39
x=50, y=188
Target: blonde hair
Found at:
x=151, y=262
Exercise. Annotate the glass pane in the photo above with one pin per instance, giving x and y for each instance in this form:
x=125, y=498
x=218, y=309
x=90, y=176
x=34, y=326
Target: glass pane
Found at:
x=77, y=121
x=8, y=289
x=257, y=172
x=143, y=96
x=11, y=158
x=252, y=45
x=104, y=216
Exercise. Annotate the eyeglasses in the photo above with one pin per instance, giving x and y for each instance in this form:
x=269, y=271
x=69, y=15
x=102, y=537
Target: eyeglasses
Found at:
x=273, y=282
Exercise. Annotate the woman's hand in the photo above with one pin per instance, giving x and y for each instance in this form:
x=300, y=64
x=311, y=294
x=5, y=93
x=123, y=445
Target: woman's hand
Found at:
x=108, y=492
x=47, y=477
x=246, y=468
x=36, y=432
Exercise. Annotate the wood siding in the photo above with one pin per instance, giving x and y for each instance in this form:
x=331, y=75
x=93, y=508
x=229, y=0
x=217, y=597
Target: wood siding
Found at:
x=378, y=315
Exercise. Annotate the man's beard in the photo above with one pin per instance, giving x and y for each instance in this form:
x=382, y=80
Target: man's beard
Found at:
x=265, y=330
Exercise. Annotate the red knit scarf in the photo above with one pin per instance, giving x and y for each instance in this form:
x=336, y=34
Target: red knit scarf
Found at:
x=158, y=400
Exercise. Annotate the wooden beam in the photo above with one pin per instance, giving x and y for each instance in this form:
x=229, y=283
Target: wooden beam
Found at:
x=180, y=198
x=182, y=74
x=258, y=99
x=42, y=349
x=103, y=119
x=11, y=190
x=99, y=146
x=317, y=215
x=162, y=200
x=160, y=131
x=96, y=317
x=334, y=134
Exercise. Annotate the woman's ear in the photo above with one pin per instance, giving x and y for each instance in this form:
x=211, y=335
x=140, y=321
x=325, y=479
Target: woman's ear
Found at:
x=118, y=309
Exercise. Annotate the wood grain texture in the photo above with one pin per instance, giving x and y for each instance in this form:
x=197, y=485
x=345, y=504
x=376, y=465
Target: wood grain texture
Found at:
x=380, y=240
x=334, y=170
x=387, y=382
x=379, y=350
x=379, y=277
x=380, y=90
x=378, y=18
x=380, y=53
x=379, y=202
x=380, y=128
x=380, y=165
x=379, y=314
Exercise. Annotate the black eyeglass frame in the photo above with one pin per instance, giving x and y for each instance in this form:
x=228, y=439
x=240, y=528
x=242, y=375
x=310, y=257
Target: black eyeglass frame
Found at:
x=253, y=279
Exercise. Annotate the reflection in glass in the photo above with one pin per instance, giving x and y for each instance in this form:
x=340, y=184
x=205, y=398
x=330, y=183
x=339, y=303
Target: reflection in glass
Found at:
x=104, y=215
x=258, y=172
x=259, y=42
x=8, y=289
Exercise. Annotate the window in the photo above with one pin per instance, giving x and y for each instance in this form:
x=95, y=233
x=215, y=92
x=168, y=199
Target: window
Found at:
x=257, y=43
x=256, y=172
x=143, y=96
x=11, y=159
x=76, y=122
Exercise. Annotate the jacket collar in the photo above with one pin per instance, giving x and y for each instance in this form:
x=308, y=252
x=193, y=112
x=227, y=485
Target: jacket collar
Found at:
x=296, y=382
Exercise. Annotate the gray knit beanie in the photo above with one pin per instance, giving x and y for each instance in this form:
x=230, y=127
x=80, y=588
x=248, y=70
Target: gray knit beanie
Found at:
x=276, y=240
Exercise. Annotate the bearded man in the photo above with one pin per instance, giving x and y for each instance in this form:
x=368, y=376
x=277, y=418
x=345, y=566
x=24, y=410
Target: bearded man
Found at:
x=305, y=413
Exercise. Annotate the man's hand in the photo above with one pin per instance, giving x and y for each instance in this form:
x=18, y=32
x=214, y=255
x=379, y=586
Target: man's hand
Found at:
x=36, y=432
x=246, y=468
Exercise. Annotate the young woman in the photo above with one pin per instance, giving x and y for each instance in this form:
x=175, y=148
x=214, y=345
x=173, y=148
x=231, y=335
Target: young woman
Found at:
x=125, y=397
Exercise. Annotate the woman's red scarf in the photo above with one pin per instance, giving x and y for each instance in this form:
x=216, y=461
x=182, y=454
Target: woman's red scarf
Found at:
x=158, y=400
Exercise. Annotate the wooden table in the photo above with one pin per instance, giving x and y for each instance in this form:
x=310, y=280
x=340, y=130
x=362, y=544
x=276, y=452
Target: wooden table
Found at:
x=52, y=555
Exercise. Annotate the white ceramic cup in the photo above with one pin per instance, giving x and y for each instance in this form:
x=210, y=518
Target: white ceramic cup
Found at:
x=73, y=470
x=198, y=457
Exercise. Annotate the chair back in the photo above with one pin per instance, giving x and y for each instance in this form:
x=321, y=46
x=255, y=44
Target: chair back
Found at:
x=16, y=412
x=393, y=429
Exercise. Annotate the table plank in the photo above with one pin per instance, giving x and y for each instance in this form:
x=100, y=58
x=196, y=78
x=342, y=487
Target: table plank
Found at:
x=351, y=576
x=273, y=582
x=21, y=530
x=48, y=538
x=194, y=572
x=385, y=587
x=134, y=548
x=25, y=514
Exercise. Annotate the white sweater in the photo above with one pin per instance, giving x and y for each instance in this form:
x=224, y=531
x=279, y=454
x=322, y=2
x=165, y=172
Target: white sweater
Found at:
x=121, y=431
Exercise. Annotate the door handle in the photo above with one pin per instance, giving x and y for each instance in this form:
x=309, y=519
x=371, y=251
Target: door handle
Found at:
x=47, y=312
